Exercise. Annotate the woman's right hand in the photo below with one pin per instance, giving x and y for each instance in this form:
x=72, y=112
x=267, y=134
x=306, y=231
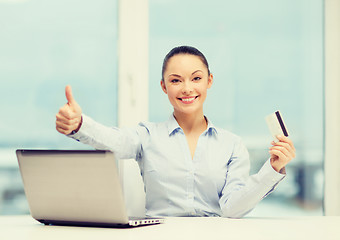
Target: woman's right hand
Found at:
x=69, y=116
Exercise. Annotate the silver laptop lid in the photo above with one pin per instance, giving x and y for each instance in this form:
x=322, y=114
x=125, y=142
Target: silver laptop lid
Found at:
x=72, y=185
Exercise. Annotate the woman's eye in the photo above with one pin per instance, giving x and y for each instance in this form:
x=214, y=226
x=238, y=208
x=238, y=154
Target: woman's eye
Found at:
x=197, y=78
x=174, y=81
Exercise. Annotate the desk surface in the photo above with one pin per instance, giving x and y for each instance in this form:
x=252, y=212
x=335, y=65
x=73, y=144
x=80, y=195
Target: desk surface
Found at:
x=25, y=227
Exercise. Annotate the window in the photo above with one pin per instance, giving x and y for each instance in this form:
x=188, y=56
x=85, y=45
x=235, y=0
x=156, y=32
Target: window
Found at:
x=45, y=46
x=265, y=56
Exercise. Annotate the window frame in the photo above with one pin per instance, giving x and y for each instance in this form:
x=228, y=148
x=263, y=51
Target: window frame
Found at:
x=332, y=110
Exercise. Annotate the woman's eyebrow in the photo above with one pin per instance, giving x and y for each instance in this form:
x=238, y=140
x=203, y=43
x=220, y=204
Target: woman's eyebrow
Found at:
x=175, y=75
x=196, y=72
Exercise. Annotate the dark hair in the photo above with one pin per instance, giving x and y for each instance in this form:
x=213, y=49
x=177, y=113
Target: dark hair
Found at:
x=184, y=50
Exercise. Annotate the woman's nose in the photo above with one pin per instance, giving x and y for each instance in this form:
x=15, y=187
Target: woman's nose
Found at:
x=187, y=87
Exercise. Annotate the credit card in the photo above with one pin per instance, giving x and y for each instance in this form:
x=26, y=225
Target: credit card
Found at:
x=276, y=125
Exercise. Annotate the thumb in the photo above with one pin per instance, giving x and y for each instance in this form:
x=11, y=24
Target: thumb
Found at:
x=69, y=96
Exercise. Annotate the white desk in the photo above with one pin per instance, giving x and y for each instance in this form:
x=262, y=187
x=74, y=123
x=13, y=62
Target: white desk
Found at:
x=302, y=228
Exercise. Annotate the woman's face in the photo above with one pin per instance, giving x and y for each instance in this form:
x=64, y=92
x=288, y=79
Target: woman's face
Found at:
x=186, y=81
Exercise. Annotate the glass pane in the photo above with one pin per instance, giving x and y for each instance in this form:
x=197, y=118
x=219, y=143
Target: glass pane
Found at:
x=265, y=56
x=44, y=46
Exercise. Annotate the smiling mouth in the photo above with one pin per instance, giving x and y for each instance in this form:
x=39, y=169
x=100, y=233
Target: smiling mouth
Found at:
x=188, y=99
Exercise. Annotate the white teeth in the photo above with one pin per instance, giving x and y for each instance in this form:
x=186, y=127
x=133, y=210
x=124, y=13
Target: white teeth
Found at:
x=187, y=99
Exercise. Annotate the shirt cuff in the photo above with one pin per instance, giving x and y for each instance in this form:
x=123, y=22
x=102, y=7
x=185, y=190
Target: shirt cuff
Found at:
x=82, y=130
x=269, y=176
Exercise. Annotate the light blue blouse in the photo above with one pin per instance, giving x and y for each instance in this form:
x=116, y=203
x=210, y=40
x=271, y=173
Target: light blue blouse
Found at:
x=215, y=182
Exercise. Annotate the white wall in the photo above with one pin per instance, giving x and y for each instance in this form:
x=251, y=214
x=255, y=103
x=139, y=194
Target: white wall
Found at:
x=133, y=89
x=332, y=107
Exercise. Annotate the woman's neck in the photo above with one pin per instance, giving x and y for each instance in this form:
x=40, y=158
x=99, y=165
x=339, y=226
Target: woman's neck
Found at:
x=191, y=123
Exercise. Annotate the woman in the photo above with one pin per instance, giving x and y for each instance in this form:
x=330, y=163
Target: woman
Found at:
x=189, y=166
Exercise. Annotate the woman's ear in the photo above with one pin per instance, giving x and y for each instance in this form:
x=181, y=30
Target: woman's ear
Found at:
x=163, y=87
x=210, y=80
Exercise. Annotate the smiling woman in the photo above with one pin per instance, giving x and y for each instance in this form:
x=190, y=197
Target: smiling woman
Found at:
x=186, y=81
x=179, y=159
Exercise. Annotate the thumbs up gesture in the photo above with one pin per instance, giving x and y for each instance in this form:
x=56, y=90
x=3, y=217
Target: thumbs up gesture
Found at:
x=69, y=116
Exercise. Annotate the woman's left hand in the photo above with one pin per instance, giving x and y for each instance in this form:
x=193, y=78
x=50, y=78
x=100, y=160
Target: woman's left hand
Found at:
x=281, y=153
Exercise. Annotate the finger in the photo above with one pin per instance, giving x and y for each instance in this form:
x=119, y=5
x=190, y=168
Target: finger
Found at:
x=67, y=112
x=283, y=150
x=63, y=126
x=62, y=119
x=288, y=146
x=61, y=130
x=280, y=155
x=285, y=145
x=287, y=140
x=66, y=127
x=69, y=95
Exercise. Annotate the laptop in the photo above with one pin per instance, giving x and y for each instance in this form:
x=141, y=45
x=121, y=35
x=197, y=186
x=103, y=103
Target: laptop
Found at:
x=75, y=187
